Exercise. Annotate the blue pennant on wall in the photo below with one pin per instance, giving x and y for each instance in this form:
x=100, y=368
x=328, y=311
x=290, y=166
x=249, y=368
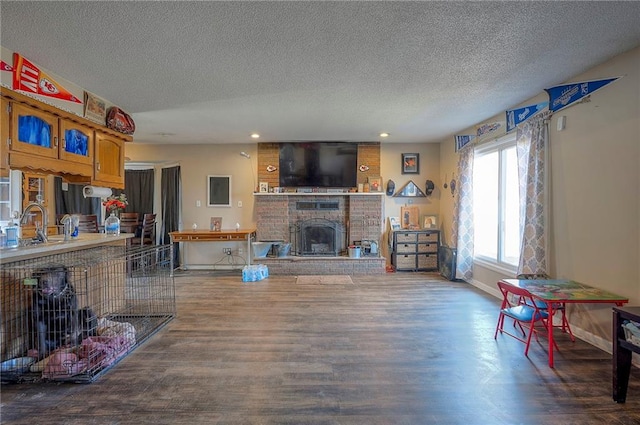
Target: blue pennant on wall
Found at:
x=462, y=141
x=563, y=96
x=516, y=116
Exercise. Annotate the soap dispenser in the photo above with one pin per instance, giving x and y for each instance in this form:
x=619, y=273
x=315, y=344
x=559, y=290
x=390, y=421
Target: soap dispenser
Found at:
x=13, y=234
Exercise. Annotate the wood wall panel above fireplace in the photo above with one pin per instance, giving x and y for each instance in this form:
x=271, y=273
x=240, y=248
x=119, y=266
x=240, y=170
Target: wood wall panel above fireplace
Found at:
x=368, y=154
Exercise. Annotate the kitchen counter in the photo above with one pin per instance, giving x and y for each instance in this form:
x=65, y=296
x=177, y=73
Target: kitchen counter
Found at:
x=57, y=245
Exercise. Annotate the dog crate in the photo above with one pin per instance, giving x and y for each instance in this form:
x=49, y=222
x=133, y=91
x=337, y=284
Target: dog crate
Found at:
x=72, y=316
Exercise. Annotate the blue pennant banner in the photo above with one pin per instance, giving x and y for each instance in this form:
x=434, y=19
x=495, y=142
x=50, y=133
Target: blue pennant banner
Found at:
x=563, y=96
x=516, y=116
x=462, y=141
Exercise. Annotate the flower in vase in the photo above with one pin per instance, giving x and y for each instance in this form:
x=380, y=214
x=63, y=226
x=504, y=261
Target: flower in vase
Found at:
x=115, y=204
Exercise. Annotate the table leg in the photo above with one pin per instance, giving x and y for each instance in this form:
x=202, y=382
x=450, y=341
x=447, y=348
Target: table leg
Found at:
x=249, y=249
x=550, y=332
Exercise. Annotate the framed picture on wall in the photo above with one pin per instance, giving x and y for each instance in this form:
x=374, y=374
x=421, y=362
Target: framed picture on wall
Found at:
x=430, y=222
x=410, y=163
x=218, y=191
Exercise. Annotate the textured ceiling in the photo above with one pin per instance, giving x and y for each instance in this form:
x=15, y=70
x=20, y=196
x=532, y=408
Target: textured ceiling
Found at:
x=213, y=72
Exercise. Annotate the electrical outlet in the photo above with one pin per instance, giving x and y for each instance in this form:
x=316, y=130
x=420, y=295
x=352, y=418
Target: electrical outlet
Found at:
x=226, y=251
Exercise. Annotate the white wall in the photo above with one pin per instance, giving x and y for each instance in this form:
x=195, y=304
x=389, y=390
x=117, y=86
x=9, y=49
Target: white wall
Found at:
x=595, y=193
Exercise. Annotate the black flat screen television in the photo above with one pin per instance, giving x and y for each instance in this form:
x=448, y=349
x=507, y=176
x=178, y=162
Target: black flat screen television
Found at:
x=318, y=164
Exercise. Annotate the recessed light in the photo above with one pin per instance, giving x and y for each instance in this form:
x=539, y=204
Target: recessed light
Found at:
x=384, y=134
x=255, y=136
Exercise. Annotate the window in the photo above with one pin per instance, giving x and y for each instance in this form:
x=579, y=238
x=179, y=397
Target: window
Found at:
x=496, y=203
x=5, y=200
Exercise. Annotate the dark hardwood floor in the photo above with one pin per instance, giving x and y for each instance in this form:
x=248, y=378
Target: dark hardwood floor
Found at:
x=403, y=348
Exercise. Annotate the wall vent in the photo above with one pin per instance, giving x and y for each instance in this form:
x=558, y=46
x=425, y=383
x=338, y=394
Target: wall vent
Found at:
x=317, y=205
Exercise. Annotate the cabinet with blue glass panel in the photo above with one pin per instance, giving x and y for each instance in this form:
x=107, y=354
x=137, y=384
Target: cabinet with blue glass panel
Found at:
x=42, y=138
x=41, y=133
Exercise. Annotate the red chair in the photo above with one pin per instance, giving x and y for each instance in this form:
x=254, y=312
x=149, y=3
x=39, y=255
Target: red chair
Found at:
x=518, y=304
x=561, y=307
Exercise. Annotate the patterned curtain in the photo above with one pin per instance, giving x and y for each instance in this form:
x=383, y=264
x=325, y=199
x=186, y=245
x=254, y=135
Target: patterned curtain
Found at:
x=462, y=232
x=531, y=142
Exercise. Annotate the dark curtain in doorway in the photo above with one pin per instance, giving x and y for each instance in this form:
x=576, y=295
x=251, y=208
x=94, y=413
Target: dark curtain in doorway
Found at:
x=171, y=192
x=71, y=201
x=138, y=186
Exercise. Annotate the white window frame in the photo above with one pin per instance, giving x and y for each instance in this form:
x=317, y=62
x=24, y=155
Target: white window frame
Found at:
x=498, y=145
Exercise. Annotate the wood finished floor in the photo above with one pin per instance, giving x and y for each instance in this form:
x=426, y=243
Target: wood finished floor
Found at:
x=403, y=348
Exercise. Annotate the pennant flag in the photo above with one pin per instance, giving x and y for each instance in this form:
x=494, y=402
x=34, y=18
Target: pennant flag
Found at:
x=516, y=116
x=5, y=66
x=29, y=78
x=485, y=129
x=563, y=96
x=462, y=141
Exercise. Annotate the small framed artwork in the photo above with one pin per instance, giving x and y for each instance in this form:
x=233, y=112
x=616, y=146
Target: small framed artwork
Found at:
x=430, y=222
x=394, y=223
x=216, y=224
x=264, y=187
x=95, y=108
x=375, y=183
x=218, y=191
x=410, y=163
x=410, y=217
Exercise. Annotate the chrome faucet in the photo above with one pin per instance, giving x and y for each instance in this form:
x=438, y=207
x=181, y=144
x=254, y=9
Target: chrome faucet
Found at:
x=66, y=221
x=41, y=234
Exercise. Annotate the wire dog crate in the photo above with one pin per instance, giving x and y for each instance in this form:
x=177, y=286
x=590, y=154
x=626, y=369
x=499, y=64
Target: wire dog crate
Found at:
x=71, y=316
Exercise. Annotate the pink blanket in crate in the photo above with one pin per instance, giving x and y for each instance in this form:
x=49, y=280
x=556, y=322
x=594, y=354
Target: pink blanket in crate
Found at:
x=94, y=352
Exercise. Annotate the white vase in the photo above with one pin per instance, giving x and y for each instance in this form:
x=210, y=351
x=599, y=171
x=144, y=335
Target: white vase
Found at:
x=112, y=225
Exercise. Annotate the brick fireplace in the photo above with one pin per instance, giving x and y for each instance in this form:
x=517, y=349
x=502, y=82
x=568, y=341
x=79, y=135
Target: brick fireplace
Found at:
x=357, y=217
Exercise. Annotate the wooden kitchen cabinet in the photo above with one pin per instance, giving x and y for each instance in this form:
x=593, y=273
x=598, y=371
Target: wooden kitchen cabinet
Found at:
x=5, y=120
x=76, y=142
x=108, y=161
x=43, y=139
x=33, y=132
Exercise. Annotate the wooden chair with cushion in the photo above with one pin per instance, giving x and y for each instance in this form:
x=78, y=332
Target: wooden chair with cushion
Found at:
x=147, y=232
x=88, y=223
x=129, y=222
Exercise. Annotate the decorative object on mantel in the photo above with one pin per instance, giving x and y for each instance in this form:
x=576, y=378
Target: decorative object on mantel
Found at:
x=364, y=168
x=410, y=163
x=375, y=183
x=271, y=168
x=410, y=190
x=264, y=187
x=216, y=224
x=429, y=186
x=391, y=187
